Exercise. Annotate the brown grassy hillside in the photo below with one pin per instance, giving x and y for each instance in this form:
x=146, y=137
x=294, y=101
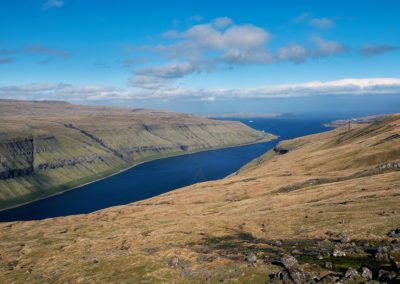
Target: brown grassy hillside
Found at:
x=296, y=199
x=47, y=147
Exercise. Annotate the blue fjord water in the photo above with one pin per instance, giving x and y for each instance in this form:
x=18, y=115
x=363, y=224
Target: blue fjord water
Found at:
x=156, y=177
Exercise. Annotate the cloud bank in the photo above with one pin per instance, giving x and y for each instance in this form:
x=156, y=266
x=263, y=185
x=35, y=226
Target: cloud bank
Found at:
x=221, y=44
x=61, y=91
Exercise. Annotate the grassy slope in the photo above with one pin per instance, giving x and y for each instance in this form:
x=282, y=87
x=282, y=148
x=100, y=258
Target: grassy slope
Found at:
x=76, y=144
x=327, y=183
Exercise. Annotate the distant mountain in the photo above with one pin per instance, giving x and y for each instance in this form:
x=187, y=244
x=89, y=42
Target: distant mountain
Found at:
x=318, y=208
x=47, y=147
x=245, y=115
x=358, y=120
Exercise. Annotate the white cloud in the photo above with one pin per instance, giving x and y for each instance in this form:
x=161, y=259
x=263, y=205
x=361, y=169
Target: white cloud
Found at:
x=322, y=23
x=222, y=22
x=171, y=70
x=293, y=52
x=147, y=82
x=326, y=48
x=221, y=44
x=247, y=56
x=52, y=4
x=301, y=18
x=371, y=86
x=371, y=49
x=45, y=50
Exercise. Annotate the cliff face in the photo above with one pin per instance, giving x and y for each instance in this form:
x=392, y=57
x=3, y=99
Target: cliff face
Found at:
x=331, y=199
x=17, y=158
x=46, y=147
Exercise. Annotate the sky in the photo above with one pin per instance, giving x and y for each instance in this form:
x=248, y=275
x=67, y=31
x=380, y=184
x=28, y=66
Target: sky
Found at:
x=204, y=56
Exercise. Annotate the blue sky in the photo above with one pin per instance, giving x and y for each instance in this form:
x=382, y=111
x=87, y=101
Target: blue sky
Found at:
x=203, y=56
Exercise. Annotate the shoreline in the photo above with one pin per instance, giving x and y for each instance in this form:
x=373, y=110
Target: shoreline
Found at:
x=132, y=166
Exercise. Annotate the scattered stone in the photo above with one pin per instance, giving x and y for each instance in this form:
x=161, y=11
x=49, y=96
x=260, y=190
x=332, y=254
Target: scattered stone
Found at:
x=296, y=251
x=38, y=277
x=380, y=256
x=394, y=258
x=366, y=273
x=385, y=275
x=282, y=275
x=338, y=253
x=59, y=271
x=289, y=261
x=330, y=278
x=344, y=238
x=183, y=274
x=351, y=274
x=174, y=261
x=293, y=271
x=395, y=233
x=251, y=257
x=29, y=271
x=383, y=249
x=123, y=245
x=277, y=243
x=328, y=265
x=94, y=261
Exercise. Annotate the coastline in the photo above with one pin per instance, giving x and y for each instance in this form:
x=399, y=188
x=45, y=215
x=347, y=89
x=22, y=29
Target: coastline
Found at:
x=273, y=137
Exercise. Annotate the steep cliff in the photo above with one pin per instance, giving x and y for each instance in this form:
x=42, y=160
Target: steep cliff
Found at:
x=47, y=147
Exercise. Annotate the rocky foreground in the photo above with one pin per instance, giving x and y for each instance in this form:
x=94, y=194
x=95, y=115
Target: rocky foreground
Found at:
x=318, y=209
x=48, y=147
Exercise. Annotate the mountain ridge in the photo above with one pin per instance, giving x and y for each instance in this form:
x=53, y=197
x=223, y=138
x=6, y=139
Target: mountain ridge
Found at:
x=46, y=148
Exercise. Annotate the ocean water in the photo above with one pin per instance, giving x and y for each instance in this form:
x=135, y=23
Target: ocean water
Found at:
x=156, y=177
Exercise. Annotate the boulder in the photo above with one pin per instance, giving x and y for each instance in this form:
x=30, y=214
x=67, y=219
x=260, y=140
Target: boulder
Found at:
x=282, y=275
x=351, y=274
x=293, y=272
x=344, y=238
x=366, y=273
x=251, y=257
x=289, y=261
x=338, y=253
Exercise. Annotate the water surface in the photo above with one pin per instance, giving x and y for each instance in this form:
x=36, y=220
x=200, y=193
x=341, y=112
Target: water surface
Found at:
x=156, y=177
